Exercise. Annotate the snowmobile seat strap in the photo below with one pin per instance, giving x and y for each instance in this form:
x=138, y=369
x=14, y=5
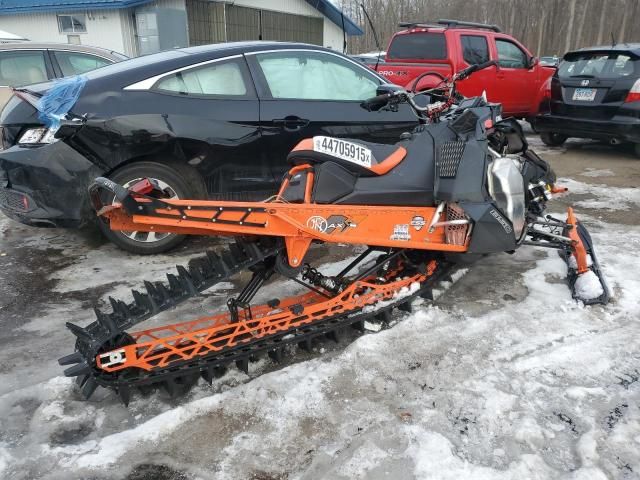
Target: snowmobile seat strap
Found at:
x=366, y=159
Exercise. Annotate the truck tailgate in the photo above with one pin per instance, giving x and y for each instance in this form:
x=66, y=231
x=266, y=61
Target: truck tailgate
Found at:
x=404, y=74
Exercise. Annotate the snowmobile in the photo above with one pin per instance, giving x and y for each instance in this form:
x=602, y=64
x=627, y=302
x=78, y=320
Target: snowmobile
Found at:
x=462, y=182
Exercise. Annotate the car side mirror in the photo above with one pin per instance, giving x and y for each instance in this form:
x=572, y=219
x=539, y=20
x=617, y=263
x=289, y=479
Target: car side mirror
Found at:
x=387, y=88
x=533, y=61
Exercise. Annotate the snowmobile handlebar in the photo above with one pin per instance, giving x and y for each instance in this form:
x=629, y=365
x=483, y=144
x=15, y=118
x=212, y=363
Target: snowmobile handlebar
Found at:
x=374, y=104
x=401, y=95
x=461, y=75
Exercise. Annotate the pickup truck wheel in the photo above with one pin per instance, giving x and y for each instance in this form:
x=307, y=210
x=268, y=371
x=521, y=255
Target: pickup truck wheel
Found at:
x=553, y=139
x=176, y=181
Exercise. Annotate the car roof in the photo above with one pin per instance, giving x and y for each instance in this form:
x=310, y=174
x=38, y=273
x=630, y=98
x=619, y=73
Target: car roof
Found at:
x=61, y=46
x=619, y=47
x=157, y=63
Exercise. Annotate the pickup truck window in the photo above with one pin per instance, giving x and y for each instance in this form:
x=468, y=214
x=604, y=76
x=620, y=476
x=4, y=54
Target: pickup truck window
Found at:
x=421, y=46
x=475, y=49
x=510, y=55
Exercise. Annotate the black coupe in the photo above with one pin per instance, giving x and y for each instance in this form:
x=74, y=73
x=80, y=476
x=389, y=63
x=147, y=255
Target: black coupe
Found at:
x=215, y=121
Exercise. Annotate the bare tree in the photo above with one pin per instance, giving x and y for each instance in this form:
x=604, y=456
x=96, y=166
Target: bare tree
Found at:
x=546, y=27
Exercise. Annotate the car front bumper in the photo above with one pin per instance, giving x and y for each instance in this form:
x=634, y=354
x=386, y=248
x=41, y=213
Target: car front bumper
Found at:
x=619, y=128
x=46, y=186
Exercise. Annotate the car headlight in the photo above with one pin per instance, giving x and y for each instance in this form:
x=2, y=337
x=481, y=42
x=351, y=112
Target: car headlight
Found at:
x=38, y=136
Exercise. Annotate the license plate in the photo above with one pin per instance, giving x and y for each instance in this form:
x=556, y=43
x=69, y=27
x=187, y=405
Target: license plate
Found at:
x=349, y=151
x=585, y=94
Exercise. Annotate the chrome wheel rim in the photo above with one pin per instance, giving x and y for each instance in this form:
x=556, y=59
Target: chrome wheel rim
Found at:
x=150, y=237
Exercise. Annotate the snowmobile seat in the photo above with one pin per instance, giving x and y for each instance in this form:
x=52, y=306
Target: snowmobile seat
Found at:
x=365, y=159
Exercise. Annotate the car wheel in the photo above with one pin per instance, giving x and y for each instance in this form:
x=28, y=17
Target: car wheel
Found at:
x=553, y=139
x=176, y=181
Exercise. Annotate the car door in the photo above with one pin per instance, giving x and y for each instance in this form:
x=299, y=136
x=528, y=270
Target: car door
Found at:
x=304, y=93
x=68, y=63
x=475, y=50
x=516, y=79
x=206, y=112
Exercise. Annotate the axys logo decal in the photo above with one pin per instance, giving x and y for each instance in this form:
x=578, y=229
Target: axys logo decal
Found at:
x=418, y=222
x=329, y=225
x=501, y=221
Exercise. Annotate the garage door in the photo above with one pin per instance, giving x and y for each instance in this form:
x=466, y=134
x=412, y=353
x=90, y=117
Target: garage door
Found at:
x=206, y=22
x=245, y=23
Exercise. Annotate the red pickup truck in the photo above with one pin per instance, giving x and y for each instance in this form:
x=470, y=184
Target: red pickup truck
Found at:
x=518, y=81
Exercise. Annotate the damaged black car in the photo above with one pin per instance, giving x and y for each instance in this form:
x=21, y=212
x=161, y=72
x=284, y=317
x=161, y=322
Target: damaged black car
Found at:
x=215, y=121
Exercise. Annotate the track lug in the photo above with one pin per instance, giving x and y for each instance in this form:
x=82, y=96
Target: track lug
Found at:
x=105, y=321
x=81, y=380
x=170, y=386
x=406, y=307
x=219, y=372
x=359, y=325
x=384, y=316
x=119, y=308
x=217, y=264
x=79, y=331
x=174, y=283
x=186, y=280
x=305, y=344
x=243, y=364
x=163, y=292
x=333, y=335
x=125, y=394
x=427, y=294
x=80, y=369
x=139, y=299
x=276, y=355
x=72, y=358
x=207, y=375
x=88, y=388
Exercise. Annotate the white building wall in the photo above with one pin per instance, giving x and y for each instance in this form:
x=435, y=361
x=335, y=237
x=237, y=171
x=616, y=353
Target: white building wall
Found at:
x=104, y=28
x=333, y=37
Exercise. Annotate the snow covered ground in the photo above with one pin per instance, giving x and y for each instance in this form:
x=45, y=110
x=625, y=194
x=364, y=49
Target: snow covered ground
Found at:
x=504, y=377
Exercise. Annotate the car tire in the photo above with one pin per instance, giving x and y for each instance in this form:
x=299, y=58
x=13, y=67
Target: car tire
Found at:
x=179, y=181
x=636, y=149
x=553, y=139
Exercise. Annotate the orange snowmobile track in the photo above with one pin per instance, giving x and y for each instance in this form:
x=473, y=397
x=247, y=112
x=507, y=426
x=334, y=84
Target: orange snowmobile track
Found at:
x=162, y=346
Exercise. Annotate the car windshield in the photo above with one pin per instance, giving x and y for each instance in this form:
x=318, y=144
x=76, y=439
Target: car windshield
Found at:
x=609, y=65
x=422, y=46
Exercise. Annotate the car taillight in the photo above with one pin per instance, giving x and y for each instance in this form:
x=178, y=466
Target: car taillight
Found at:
x=634, y=93
x=546, y=88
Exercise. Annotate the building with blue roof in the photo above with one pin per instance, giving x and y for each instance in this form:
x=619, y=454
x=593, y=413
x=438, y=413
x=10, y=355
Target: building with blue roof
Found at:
x=137, y=27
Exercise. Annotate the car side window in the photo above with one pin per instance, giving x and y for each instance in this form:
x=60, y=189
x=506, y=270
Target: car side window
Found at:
x=510, y=55
x=226, y=78
x=74, y=63
x=316, y=76
x=19, y=68
x=475, y=49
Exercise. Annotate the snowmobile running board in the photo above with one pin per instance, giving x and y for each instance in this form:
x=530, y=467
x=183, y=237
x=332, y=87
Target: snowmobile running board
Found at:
x=273, y=238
